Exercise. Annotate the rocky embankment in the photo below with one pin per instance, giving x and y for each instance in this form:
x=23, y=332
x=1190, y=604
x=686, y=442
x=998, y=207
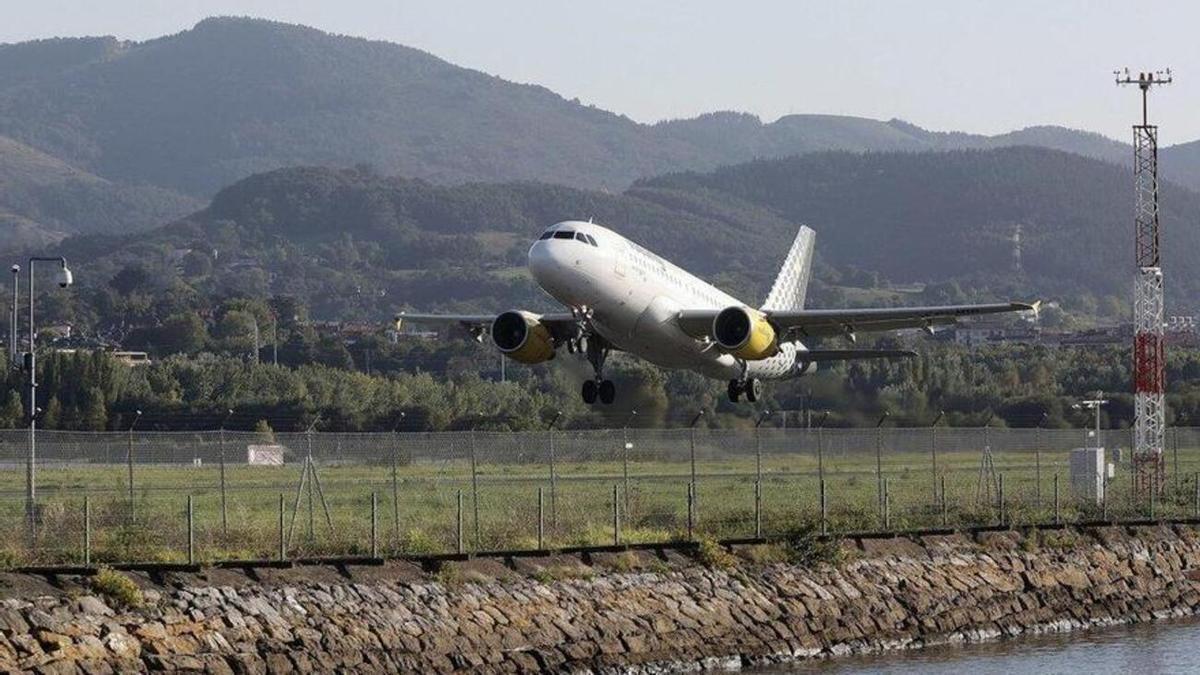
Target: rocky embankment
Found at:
x=643, y=612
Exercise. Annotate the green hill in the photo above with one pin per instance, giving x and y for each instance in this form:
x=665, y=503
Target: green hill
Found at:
x=928, y=217
x=353, y=244
x=43, y=199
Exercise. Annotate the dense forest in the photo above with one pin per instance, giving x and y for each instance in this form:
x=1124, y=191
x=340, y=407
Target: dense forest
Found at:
x=454, y=385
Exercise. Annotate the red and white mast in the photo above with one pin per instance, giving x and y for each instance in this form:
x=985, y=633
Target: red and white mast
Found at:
x=1148, y=317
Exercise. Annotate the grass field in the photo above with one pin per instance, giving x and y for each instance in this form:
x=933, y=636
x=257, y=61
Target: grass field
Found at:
x=417, y=501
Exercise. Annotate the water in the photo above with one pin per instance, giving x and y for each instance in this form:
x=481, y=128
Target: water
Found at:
x=1169, y=647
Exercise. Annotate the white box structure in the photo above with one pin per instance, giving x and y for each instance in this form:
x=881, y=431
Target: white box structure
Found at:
x=1087, y=474
x=265, y=455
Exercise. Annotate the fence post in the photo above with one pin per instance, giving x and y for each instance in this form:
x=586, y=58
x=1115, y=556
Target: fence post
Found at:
x=1153, y=492
x=758, y=509
x=879, y=460
x=945, y=510
x=129, y=470
x=1000, y=496
x=625, y=465
x=395, y=491
x=224, y=509
x=1037, y=467
x=191, y=532
x=282, y=543
x=541, y=521
x=459, y=528
x=1057, y=514
x=824, y=506
x=553, y=485
x=933, y=455
x=887, y=506
x=87, y=531
x=691, y=524
x=1195, y=506
x=616, y=515
x=374, y=525
x=1196, y=499
x=474, y=492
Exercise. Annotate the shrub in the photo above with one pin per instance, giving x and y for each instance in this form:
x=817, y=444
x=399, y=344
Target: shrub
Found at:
x=117, y=587
x=807, y=547
x=713, y=555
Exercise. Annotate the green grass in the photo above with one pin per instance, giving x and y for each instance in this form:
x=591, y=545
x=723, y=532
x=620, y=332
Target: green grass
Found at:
x=421, y=515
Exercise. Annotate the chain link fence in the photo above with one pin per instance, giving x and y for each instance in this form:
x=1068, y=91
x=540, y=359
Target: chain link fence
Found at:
x=175, y=496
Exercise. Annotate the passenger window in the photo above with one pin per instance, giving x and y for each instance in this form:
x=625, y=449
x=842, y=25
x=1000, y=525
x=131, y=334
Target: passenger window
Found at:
x=546, y=235
x=564, y=234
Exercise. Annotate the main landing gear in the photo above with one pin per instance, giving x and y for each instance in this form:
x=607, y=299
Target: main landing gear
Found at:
x=751, y=387
x=596, y=350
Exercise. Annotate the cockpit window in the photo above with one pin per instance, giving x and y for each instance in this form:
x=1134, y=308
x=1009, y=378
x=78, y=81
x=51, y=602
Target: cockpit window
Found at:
x=579, y=236
x=564, y=234
x=546, y=235
x=592, y=240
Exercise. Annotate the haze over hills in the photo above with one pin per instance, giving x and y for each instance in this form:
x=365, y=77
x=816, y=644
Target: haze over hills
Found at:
x=43, y=199
x=198, y=110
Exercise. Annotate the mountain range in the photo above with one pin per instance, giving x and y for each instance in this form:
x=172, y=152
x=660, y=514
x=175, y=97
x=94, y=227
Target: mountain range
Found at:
x=100, y=134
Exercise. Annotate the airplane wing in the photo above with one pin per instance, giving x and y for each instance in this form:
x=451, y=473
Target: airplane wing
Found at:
x=801, y=323
x=561, y=324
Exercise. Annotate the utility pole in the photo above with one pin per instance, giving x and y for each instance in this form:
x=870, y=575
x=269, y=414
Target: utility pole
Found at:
x=1148, y=353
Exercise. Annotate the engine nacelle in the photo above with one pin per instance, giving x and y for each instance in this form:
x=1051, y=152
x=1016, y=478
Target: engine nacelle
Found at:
x=522, y=337
x=745, y=333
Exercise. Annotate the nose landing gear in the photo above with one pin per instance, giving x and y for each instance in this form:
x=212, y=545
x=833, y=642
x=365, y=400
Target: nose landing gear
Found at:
x=596, y=350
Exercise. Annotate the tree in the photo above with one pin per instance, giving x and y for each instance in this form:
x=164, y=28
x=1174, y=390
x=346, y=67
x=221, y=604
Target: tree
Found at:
x=12, y=414
x=182, y=333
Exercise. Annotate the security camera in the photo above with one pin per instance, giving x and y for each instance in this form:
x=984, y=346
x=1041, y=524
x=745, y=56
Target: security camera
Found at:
x=64, y=277
x=16, y=268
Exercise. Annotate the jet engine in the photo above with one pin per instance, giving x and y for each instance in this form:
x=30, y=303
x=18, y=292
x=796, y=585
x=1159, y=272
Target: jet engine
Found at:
x=745, y=333
x=522, y=337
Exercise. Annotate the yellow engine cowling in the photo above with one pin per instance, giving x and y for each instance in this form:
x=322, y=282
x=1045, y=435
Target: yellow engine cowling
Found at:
x=745, y=333
x=522, y=337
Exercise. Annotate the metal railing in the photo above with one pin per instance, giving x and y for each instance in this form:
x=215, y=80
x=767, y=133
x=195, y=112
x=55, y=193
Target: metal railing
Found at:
x=119, y=496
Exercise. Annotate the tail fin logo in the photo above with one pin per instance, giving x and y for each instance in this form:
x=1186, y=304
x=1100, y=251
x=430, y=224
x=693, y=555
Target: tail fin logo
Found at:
x=791, y=285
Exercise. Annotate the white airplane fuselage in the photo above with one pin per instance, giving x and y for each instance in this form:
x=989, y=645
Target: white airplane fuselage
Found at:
x=634, y=296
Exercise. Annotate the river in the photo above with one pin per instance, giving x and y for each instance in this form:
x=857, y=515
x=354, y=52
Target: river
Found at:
x=1168, y=647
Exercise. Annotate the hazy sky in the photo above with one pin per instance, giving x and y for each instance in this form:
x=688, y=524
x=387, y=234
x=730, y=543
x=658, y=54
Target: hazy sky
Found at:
x=948, y=65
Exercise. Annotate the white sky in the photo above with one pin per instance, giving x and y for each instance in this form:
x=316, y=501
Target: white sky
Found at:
x=963, y=65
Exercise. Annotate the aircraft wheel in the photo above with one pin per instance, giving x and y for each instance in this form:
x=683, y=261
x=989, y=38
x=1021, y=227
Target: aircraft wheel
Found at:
x=753, y=389
x=735, y=391
x=608, y=392
x=590, y=389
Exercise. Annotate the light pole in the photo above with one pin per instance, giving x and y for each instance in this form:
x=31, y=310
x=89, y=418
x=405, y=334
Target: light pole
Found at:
x=1093, y=404
x=64, y=278
x=129, y=458
x=12, y=323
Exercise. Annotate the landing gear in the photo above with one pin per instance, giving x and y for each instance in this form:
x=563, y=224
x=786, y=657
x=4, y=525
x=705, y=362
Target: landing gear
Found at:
x=596, y=350
x=751, y=387
x=608, y=392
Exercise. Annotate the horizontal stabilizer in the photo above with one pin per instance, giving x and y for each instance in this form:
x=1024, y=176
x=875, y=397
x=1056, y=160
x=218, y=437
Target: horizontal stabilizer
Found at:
x=822, y=355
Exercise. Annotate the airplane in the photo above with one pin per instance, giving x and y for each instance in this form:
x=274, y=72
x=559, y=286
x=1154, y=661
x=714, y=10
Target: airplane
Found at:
x=621, y=296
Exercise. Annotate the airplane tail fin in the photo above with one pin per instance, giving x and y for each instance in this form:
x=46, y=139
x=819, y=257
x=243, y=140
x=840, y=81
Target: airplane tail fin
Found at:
x=790, y=286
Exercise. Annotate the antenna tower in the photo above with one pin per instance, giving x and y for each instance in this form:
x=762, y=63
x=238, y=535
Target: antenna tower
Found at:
x=1148, y=356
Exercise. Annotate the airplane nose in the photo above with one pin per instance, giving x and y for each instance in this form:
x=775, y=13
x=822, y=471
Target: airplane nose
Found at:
x=542, y=262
